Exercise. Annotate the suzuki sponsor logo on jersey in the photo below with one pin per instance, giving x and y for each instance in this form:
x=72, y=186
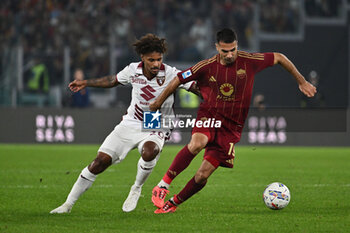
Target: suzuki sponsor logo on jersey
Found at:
x=186, y=74
x=147, y=92
x=151, y=120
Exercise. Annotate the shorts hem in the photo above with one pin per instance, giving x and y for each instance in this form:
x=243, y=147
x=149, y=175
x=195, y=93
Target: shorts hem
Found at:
x=212, y=160
x=108, y=152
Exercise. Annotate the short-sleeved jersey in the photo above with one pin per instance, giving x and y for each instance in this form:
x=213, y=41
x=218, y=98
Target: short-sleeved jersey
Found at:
x=145, y=91
x=227, y=90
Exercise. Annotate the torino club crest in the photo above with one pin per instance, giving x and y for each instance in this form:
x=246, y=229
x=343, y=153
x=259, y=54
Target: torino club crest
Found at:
x=160, y=80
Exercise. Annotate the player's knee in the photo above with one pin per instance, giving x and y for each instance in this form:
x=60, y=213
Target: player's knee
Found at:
x=100, y=163
x=201, y=177
x=150, y=150
x=195, y=146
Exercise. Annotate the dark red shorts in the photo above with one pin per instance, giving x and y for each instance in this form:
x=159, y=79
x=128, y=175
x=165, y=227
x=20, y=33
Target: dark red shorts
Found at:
x=220, y=149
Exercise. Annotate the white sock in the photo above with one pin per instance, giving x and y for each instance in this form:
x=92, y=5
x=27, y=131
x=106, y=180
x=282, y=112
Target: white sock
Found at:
x=144, y=169
x=83, y=183
x=163, y=184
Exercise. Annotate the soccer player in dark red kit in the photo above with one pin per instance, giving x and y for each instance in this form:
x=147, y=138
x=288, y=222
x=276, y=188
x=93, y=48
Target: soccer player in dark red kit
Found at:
x=226, y=83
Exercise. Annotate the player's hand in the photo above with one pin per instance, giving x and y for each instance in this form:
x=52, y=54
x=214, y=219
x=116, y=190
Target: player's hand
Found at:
x=154, y=106
x=308, y=89
x=77, y=85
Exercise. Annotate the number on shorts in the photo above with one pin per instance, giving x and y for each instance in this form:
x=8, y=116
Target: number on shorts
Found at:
x=159, y=133
x=231, y=151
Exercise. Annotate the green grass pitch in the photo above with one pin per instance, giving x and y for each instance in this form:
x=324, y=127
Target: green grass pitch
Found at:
x=36, y=179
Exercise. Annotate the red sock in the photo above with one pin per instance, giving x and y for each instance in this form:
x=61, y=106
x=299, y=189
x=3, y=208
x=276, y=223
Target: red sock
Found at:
x=190, y=189
x=181, y=161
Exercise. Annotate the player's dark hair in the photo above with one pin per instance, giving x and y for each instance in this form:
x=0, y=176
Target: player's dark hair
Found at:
x=150, y=43
x=226, y=35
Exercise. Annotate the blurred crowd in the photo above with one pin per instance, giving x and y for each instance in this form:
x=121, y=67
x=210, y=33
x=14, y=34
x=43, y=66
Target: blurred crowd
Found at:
x=323, y=8
x=45, y=27
x=95, y=31
x=92, y=28
x=279, y=16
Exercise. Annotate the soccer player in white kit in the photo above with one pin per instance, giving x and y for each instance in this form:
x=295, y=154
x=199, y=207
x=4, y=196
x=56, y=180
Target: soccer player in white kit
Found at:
x=148, y=79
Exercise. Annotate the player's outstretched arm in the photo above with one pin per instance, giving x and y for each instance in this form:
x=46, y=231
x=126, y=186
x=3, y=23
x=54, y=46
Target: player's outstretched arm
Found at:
x=106, y=82
x=165, y=94
x=304, y=86
x=195, y=90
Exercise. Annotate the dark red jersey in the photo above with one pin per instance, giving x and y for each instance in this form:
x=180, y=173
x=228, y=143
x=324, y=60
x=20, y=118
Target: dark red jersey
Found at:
x=227, y=90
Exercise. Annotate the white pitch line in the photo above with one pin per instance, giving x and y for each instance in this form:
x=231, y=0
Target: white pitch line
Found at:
x=42, y=171
x=23, y=186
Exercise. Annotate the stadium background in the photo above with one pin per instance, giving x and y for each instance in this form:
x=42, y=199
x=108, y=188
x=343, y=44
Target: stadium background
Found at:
x=97, y=37
x=38, y=164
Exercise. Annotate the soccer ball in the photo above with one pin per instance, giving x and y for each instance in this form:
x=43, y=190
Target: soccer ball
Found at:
x=276, y=196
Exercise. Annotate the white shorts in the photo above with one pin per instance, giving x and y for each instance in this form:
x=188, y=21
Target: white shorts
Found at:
x=123, y=139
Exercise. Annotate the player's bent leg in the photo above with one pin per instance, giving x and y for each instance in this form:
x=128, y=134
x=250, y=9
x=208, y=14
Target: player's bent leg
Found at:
x=149, y=152
x=84, y=182
x=180, y=163
x=185, y=156
x=196, y=183
x=145, y=166
x=204, y=171
x=143, y=171
x=192, y=187
x=198, y=142
x=100, y=163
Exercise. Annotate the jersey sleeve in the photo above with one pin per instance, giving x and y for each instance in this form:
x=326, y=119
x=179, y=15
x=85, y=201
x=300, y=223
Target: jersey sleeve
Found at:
x=267, y=61
x=123, y=77
x=173, y=72
x=193, y=73
x=187, y=86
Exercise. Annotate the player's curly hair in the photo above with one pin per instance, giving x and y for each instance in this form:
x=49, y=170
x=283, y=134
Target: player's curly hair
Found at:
x=150, y=43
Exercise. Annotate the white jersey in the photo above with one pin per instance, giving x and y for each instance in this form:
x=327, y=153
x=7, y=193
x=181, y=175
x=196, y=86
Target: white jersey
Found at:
x=145, y=91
